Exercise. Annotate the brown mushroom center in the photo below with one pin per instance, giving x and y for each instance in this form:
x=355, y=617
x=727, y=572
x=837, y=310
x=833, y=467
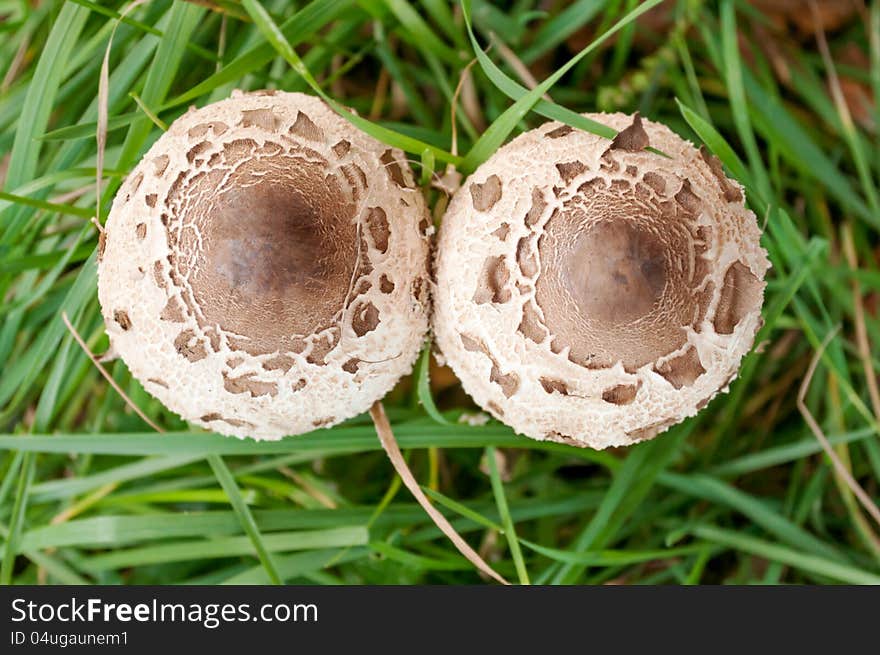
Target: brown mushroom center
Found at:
x=615, y=272
x=622, y=271
x=265, y=245
x=269, y=247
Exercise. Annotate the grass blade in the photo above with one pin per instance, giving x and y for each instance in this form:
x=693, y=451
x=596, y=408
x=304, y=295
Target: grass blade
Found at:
x=423, y=387
x=224, y=477
x=278, y=40
x=499, y=130
x=18, y=511
x=42, y=92
x=504, y=512
x=775, y=553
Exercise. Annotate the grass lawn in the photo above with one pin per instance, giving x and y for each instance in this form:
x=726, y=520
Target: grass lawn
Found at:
x=743, y=493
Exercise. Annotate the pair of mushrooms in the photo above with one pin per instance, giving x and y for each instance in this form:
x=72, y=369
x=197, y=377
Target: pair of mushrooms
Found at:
x=266, y=271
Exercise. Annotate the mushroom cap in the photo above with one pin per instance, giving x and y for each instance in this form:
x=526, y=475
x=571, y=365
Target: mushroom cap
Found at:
x=594, y=293
x=264, y=270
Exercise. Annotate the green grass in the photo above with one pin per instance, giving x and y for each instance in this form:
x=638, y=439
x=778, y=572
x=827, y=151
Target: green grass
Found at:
x=743, y=493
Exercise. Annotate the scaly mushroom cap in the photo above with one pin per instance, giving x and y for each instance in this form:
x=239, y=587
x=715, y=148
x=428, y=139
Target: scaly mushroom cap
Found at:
x=595, y=293
x=264, y=268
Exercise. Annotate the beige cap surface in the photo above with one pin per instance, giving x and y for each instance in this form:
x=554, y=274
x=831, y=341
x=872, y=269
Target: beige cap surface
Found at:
x=264, y=269
x=595, y=293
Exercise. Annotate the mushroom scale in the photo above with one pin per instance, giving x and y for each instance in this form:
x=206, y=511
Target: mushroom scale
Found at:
x=264, y=267
x=593, y=292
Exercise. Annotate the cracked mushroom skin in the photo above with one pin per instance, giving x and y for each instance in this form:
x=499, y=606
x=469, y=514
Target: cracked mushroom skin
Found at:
x=592, y=292
x=264, y=267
